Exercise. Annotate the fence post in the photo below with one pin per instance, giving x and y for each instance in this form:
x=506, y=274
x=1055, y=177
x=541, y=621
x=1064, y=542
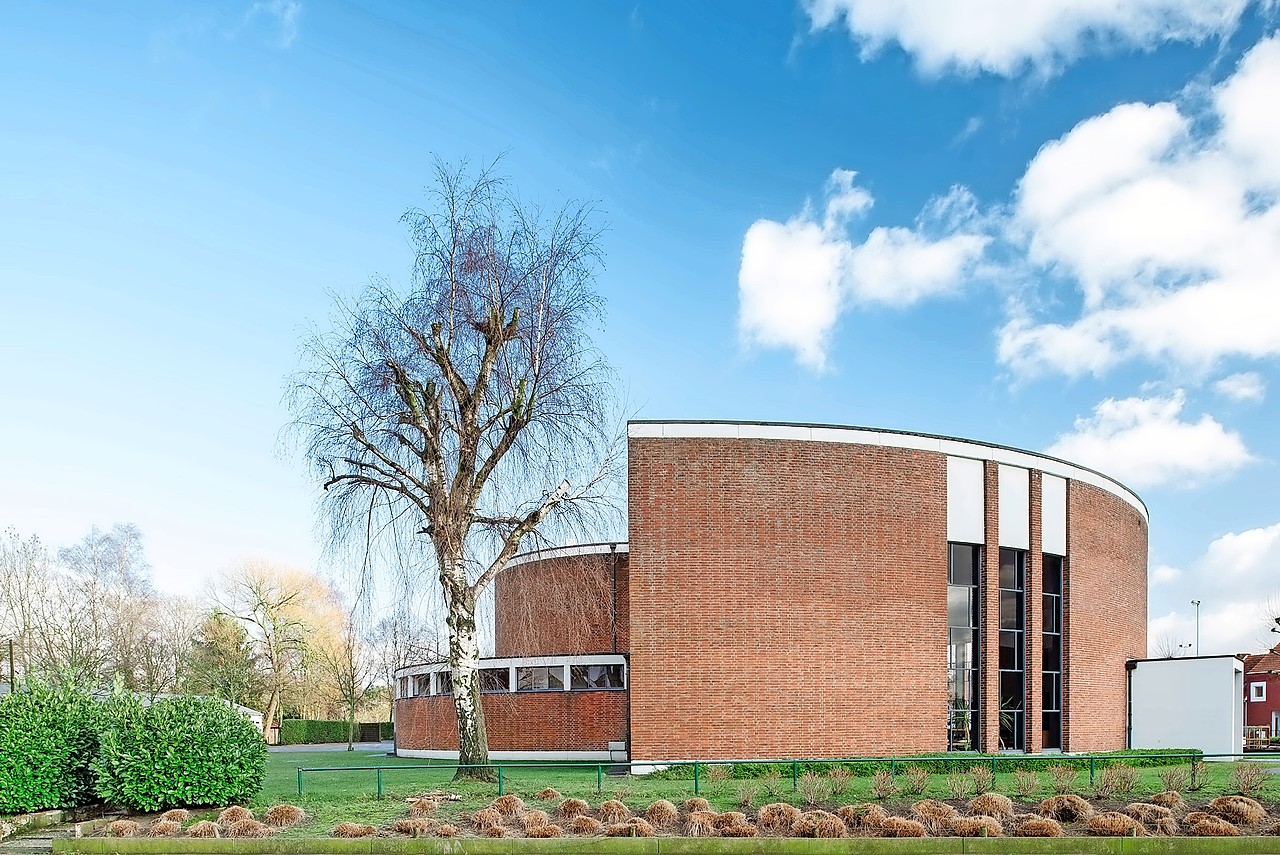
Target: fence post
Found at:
x=1092, y=760
x=299, y=780
x=993, y=771
x=893, y=767
x=795, y=775
x=695, y=777
x=599, y=778
x=379, y=782
x=499, y=779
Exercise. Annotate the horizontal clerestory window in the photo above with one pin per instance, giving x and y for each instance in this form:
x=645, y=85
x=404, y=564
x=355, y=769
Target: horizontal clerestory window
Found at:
x=540, y=678
x=596, y=677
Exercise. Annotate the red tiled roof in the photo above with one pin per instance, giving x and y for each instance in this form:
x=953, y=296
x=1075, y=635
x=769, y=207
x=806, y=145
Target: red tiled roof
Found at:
x=1263, y=663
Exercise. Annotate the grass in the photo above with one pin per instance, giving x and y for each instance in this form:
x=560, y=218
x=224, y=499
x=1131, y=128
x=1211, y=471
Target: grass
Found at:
x=333, y=797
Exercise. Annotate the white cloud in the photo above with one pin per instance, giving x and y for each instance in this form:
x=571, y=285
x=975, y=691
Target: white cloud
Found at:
x=796, y=277
x=1171, y=233
x=283, y=14
x=1246, y=386
x=1006, y=37
x=1144, y=442
x=1163, y=574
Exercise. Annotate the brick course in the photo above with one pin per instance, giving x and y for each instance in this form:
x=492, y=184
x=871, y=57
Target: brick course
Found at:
x=519, y=721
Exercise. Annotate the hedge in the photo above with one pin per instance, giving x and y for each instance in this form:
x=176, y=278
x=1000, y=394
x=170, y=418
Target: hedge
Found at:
x=301, y=731
x=48, y=735
x=943, y=765
x=178, y=752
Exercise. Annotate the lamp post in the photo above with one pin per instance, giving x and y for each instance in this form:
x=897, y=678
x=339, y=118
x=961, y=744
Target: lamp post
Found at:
x=1196, y=603
x=1182, y=647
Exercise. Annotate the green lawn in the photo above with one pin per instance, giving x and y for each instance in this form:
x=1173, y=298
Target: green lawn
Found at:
x=333, y=797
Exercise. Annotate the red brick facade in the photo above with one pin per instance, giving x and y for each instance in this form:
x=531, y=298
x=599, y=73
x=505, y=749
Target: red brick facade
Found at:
x=562, y=605
x=787, y=598
x=1105, y=610
x=519, y=721
x=773, y=603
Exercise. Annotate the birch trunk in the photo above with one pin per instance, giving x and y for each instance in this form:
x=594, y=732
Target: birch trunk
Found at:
x=464, y=662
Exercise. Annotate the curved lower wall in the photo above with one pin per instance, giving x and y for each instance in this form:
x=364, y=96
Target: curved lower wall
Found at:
x=578, y=724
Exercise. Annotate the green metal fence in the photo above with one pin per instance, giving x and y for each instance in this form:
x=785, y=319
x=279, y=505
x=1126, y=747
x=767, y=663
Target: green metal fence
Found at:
x=860, y=766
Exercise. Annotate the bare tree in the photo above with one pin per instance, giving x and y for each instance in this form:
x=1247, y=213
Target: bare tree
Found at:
x=280, y=608
x=471, y=409
x=351, y=665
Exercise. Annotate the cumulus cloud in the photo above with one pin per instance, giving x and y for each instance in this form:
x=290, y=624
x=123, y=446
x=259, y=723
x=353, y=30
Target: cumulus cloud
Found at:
x=797, y=277
x=1007, y=38
x=1163, y=574
x=1145, y=442
x=1171, y=232
x=1239, y=592
x=1246, y=386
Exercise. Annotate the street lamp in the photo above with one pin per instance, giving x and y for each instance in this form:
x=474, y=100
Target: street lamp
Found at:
x=1196, y=603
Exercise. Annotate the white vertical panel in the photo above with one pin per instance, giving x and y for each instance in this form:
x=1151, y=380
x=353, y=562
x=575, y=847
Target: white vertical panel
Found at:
x=1015, y=507
x=1053, y=515
x=966, y=510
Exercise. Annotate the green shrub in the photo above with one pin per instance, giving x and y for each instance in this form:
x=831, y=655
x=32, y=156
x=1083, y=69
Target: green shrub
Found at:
x=386, y=730
x=178, y=752
x=303, y=731
x=48, y=735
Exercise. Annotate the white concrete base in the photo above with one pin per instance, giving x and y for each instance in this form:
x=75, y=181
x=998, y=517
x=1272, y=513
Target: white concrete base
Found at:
x=431, y=754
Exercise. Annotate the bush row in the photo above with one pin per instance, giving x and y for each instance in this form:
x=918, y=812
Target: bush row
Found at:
x=939, y=765
x=301, y=731
x=60, y=746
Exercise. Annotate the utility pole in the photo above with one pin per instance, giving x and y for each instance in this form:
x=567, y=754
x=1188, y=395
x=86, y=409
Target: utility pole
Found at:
x=1196, y=603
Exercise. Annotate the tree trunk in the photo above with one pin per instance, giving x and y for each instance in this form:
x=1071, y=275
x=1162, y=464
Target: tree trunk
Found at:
x=269, y=716
x=464, y=662
x=351, y=727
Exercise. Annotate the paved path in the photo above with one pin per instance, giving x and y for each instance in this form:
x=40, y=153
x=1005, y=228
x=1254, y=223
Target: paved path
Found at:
x=385, y=747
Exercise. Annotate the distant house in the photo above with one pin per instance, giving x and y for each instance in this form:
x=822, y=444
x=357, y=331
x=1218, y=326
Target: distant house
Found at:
x=1262, y=690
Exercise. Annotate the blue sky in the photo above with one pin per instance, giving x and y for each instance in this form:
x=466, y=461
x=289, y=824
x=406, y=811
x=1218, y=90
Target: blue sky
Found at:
x=1051, y=225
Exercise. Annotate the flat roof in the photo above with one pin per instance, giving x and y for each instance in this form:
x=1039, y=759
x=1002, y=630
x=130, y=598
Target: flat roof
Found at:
x=849, y=434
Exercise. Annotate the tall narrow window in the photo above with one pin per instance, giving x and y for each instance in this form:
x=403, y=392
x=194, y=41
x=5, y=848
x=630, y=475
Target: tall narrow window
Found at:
x=963, y=574
x=1051, y=723
x=1013, y=567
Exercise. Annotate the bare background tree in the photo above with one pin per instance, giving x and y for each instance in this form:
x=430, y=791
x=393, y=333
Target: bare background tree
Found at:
x=471, y=407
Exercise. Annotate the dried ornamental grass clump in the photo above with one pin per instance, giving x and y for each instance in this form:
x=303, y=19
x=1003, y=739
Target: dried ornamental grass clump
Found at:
x=935, y=815
x=863, y=817
x=819, y=823
x=234, y=814
x=1212, y=826
x=700, y=823
x=613, y=811
x=123, y=828
x=570, y=808
x=447, y=830
x=583, y=824
x=1040, y=826
x=662, y=814
x=547, y=794
x=1166, y=825
x=535, y=819
x=896, y=826
x=1241, y=810
x=1169, y=798
x=543, y=831
x=640, y=827
x=991, y=804
x=694, y=804
x=175, y=815
x=1272, y=830
x=422, y=807
x=414, y=826
x=976, y=826
x=729, y=818
x=164, y=828
x=203, y=828
x=486, y=818
x=743, y=830
x=778, y=816
x=252, y=828
x=493, y=831
x=283, y=816
x=1145, y=812
x=508, y=805
x=1066, y=808
x=355, y=829
x=1115, y=824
